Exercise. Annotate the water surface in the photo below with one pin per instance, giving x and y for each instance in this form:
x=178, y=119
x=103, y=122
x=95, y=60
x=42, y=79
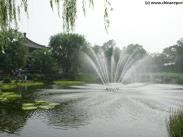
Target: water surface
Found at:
x=136, y=110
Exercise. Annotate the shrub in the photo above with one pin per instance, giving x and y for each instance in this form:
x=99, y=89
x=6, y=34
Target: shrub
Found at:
x=36, y=77
x=7, y=80
x=175, y=124
x=89, y=78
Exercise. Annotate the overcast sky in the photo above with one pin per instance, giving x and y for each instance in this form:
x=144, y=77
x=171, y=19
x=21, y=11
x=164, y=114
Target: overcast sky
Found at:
x=153, y=26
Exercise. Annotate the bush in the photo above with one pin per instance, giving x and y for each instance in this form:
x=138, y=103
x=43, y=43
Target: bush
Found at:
x=175, y=124
x=89, y=78
x=35, y=77
x=7, y=80
x=48, y=78
x=68, y=76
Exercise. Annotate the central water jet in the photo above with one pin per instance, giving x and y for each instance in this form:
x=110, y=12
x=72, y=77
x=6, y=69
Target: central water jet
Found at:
x=113, y=69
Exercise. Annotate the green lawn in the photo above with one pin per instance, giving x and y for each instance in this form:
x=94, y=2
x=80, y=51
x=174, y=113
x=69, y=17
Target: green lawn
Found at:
x=67, y=83
x=164, y=77
x=12, y=85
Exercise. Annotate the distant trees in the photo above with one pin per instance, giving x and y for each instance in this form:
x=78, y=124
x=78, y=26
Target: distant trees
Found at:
x=66, y=49
x=135, y=50
x=14, y=53
x=109, y=47
x=63, y=55
x=171, y=59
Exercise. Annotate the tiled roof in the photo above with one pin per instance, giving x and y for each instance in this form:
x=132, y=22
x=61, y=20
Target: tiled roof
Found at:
x=32, y=44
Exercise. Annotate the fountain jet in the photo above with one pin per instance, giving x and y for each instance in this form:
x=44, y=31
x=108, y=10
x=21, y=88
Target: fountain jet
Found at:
x=112, y=68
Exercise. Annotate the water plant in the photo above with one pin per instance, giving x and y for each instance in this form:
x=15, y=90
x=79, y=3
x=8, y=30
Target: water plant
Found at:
x=9, y=96
x=175, y=124
x=39, y=104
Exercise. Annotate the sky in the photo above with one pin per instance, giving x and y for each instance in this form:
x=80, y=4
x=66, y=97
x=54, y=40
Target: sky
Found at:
x=155, y=27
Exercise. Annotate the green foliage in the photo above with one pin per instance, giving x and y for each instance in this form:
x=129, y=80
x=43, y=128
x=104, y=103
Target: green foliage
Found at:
x=9, y=96
x=171, y=59
x=7, y=79
x=136, y=50
x=45, y=63
x=66, y=83
x=175, y=124
x=15, y=85
x=35, y=77
x=66, y=48
x=10, y=11
x=39, y=104
x=163, y=77
x=108, y=48
x=86, y=77
x=15, y=52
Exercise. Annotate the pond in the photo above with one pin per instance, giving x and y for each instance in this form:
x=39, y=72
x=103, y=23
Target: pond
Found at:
x=136, y=110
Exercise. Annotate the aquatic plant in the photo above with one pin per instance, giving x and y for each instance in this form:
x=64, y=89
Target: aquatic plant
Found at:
x=39, y=104
x=175, y=124
x=9, y=96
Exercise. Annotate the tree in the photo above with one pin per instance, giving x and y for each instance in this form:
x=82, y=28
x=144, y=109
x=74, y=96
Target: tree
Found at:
x=44, y=62
x=136, y=50
x=10, y=10
x=174, y=56
x=179, y=56
x=159, y=60
x=66, y=48
x=108, y=48
x=15, y=52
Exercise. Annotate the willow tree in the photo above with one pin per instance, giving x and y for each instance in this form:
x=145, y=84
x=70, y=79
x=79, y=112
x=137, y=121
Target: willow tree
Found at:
x=10, y=11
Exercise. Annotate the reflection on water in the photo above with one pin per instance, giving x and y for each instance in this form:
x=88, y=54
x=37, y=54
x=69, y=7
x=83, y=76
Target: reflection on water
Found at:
x=65, y=118
x=12, y=118
x=136, y=110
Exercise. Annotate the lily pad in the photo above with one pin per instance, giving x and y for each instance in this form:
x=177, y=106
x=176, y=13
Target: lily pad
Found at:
x=8, y=93
x=29, y=108
x=40, y=102
x=9, y=96
x=46, y=107
x=28, y=105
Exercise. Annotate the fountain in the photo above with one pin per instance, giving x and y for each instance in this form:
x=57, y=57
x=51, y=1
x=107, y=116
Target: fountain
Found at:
x=113, y=66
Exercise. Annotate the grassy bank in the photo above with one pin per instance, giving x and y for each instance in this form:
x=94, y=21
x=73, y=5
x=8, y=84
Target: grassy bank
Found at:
x=164, y=77
x=66, y=83
x=12, y=85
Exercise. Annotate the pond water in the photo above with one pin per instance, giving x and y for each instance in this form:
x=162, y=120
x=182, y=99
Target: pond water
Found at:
x=136, y=110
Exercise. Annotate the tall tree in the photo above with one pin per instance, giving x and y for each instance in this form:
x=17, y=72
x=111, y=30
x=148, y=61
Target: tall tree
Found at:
x=135, y=50
x=66, y=48
x=44, y=62
x=174, y=56
x=10, y=11
x=15, y=53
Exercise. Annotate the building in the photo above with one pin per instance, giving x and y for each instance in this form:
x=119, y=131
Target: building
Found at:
x=32, y=45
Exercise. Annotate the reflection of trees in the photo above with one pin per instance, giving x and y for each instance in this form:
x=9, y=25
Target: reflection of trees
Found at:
x=68, y=115
x=11, y=118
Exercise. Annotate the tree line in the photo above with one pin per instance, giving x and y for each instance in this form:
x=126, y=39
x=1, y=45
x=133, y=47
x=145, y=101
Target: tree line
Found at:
x=62, y=59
